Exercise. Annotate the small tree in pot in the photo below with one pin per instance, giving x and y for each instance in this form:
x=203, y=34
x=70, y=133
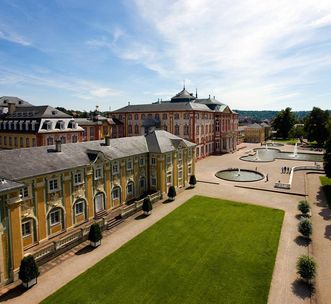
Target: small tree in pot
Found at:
x=147, y=206
x=305, y=228
x=193, y=181
x=28, y=272
x=171, y=193
x=304, y=207
x=95, y=235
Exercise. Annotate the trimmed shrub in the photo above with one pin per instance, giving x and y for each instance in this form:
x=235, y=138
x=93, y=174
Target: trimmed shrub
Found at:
x=305, y=227
x=95, y=234
x=304, y=207
x=171, y=193
x=28, y=269
x=306, y=267
x=147, y=205
x=193, y=181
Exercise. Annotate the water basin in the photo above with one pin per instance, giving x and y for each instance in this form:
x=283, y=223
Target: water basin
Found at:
x=242, y=175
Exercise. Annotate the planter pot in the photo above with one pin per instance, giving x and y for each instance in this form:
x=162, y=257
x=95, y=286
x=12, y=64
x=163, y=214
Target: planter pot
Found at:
x=147, y=212
x=192, y=186
x=30, y=283
x=95, y=244
x=171, y=199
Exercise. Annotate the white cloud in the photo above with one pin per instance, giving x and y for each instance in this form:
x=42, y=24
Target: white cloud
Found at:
x=222, y=44
x=13, y=37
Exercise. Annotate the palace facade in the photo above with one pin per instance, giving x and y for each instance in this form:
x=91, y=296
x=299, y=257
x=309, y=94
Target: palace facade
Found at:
x=23, y=125
x=49, y=196
x=212, y=125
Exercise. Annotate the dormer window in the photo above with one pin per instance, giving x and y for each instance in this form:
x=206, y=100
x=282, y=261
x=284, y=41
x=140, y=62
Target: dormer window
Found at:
x=115, y=168
x=49, y=125
x=53, y=185
x=27, y=125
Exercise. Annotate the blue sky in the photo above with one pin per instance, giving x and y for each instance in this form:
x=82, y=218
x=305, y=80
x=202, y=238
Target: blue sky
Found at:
x=250, y=54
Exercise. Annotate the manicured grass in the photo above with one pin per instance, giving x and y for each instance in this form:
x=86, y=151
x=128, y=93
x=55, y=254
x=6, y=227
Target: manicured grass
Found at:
x=326, y=183
x=206, y=251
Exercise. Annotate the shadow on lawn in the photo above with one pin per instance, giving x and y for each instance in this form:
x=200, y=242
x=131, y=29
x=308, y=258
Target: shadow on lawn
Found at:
x=302, y=289
x=302, y=241
x=84, y=250
x=13, y=293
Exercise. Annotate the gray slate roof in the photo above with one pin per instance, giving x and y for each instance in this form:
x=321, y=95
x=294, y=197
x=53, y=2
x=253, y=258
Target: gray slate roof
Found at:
x=35, y=112
x=7, y=185
x=4, y=100
x=18, y=164
x=166, y=107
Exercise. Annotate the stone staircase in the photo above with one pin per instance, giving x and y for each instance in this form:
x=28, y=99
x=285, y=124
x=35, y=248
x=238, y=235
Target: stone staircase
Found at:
x=100, y=214
x=114, y=222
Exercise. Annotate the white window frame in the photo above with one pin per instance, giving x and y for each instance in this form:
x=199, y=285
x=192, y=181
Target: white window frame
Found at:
x=79, y=203
x=78, y=178
x=169, y=175
x=115, y=168
x=118, y=191
x=153, y=181
x=129, y=167
x=132, y=188
x=57, y=211
x=24, y=192
x=153, y=161
x=52, y=183
x=98, y=172
x=168, y=159
x=24, y=233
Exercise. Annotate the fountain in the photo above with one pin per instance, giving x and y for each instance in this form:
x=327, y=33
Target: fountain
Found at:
x=239, y=175
x=266, y=147
x=257, y=155
x=295, y=150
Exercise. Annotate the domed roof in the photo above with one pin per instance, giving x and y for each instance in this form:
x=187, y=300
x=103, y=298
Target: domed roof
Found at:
x=183, y=96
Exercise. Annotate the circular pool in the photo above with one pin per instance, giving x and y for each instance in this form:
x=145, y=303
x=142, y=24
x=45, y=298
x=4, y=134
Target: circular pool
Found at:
x=239, y=175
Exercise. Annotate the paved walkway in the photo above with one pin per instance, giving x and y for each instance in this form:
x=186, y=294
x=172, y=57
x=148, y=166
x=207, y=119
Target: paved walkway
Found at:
x=321, y=246
x=284, y=287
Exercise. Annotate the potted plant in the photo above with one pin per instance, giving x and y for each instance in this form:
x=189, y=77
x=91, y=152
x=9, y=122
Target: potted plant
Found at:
x=28, y=272
x=147, y=206
x=193, y=181
x=171, y=193
x=95, y=235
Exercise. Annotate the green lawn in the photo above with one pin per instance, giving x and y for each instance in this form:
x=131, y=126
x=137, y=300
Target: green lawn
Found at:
x=326, y=183
x=206, y=251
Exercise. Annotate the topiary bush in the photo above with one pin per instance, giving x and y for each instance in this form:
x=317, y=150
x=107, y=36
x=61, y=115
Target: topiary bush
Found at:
x=171, y=193
x=304, y=207
x=147, y=205
x=305, y=227
x=306, y=268
x=28, y=270
x=95, y=234
x=193, y=181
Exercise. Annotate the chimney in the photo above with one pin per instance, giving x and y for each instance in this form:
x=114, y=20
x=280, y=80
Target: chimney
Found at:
x=11, y=107
x=209, y=96
x=107, y=140
x=58, y=145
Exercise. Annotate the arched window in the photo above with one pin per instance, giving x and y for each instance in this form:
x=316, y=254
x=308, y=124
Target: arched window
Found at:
x=176, y=129
x=130, y=189
x=116, y=193
x=55, y=220
x=142, y=184
x=28, y=231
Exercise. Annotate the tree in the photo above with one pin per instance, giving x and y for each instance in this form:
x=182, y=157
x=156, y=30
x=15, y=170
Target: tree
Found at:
x=304, y=207
x=305, y=228
x=95, y=235
x=147, y=205
x=171, y=193
x=327, y=158
x=28, y=271
x=306, y=267
x=283, y=122
x=316, y=126
x=297, y=132
x=193, y=181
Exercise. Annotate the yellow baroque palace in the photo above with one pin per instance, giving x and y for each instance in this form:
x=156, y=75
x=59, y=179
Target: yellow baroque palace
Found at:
x=50, y=195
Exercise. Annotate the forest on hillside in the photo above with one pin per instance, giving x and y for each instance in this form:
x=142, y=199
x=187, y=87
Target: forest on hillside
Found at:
x=258, y=116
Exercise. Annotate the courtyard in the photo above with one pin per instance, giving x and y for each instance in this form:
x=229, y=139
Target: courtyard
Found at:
x=284, y=285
